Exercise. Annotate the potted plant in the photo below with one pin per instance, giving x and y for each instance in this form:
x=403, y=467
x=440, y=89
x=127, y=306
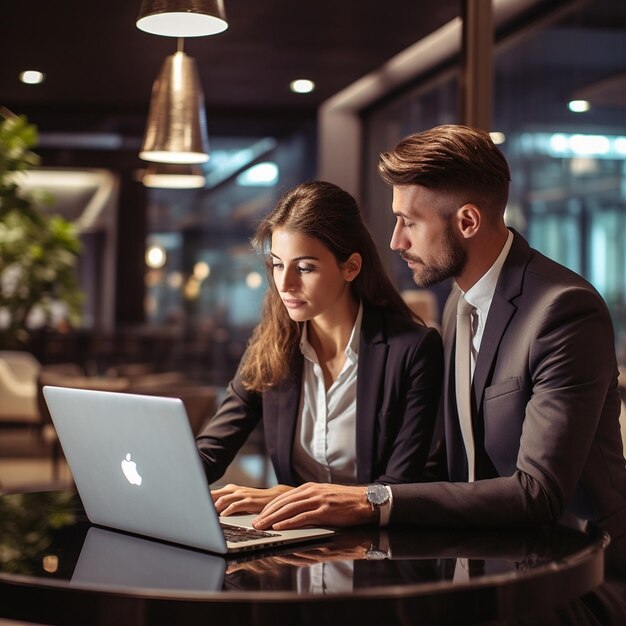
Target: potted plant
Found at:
x=38, y=250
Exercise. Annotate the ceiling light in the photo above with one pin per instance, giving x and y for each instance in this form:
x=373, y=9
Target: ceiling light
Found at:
x=201, y=270
x=156, y=257
x=579, y=106
x=173, y=176
x=32, y=77
x=259, y=175
x=175, y=280
x=182, y=18
x=302, y=85
x=254, y=280
x=176, y=127
x=497, y=137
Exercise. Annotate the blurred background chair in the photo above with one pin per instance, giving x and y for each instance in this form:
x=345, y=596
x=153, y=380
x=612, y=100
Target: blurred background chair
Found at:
x=19, y=372
x=200, y=399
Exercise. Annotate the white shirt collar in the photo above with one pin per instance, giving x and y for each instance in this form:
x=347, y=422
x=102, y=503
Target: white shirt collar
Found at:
x=480, y=294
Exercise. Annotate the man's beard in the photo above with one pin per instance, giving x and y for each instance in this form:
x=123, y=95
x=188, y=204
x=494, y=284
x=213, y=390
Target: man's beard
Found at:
x=449, y=263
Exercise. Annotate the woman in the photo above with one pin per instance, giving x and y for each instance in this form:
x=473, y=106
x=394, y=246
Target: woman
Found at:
x=346, y=381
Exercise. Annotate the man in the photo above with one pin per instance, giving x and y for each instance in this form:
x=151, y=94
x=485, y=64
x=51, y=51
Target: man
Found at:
x=543, y=440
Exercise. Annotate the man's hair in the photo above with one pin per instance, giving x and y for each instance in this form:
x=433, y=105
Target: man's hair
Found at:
x=457, y=160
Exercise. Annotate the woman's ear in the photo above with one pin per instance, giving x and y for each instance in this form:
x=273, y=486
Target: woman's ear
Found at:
x=352, y=267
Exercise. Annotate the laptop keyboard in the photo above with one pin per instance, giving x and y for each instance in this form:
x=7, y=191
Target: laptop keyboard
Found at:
x=237, y=534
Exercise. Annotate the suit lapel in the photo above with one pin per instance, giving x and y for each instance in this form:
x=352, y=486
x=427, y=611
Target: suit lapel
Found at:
x=502, y=309
x=370, y=381
x=288, y=404
x=500, y=314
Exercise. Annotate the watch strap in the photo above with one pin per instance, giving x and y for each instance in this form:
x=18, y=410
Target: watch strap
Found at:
x=385, y=509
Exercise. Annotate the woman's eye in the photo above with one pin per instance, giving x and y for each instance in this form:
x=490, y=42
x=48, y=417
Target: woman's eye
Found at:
x=277, y=266
x=304, y=269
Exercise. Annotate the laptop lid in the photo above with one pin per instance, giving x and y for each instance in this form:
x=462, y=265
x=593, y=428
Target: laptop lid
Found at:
x=136, y=468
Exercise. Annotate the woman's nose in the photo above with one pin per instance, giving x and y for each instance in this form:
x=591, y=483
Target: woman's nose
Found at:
x=285, y=281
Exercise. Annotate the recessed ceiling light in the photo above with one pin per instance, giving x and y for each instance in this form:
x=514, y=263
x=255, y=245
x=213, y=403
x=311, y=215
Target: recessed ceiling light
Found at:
x=302, y=85
x=579, y=106
x=32, y=77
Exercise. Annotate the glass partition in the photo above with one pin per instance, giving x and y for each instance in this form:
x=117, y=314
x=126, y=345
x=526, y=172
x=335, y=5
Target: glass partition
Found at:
x=204, y=284
x=560, y=111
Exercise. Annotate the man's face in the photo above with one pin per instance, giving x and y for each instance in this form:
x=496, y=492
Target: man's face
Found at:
x=426, y=240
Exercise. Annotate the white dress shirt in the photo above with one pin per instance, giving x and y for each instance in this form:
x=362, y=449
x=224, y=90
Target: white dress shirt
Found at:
x=324, y=449
x=480, y=296
x=326, y=577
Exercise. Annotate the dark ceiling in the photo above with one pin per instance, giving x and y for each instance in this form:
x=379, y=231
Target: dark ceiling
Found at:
x=100, y=68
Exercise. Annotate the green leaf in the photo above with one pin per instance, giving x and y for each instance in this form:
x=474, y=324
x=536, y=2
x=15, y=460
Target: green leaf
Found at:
x=38, y=251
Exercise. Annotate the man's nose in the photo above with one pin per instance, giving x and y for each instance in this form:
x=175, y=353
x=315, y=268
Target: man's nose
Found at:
x=398, y=241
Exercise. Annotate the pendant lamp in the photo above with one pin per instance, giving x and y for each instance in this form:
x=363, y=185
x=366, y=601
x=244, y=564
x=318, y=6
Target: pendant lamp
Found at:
x=174, y=176
x=176, y=127
x=182, y=18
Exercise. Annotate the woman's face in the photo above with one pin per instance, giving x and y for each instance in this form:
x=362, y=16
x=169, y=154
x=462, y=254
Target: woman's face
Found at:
x=308, y=277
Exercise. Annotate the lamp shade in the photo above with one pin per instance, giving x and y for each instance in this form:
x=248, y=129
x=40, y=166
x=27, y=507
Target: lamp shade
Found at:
x=182, y=18
x=176, y=127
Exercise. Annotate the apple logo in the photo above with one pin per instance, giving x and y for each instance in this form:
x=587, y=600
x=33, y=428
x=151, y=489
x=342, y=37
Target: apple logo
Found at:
x=130, y=471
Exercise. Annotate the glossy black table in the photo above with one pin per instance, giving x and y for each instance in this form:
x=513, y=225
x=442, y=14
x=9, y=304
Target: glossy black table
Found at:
x=55, y=568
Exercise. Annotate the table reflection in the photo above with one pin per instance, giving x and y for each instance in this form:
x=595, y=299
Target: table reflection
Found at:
x=47, y=537
x=355, y=560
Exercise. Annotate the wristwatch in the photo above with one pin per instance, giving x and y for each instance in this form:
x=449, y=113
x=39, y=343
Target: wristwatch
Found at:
x=377, y=495
x=380, y=549
x=374, y=554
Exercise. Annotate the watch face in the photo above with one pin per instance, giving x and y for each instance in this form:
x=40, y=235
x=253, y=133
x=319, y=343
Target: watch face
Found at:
x=376, y=555
x=377, y=494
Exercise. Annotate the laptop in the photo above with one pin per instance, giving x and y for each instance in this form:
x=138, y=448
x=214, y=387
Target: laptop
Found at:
x=136, y=468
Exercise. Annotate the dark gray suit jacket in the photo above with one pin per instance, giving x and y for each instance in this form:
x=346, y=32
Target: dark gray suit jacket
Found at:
x=546, y=420
x=399, y=376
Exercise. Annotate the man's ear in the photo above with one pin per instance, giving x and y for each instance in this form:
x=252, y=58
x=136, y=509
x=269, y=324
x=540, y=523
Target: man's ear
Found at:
x=352, y=267
x=468, y=218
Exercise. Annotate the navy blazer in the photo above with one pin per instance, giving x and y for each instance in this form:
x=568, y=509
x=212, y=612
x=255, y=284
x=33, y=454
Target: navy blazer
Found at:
x=546, y=409
x=399, y=374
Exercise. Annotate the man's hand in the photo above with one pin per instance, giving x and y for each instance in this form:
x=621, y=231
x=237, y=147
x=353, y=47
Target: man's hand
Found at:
x=233, y=499
x=314, y=504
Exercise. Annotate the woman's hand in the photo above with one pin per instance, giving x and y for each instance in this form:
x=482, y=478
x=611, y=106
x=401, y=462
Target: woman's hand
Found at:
x=233, y=499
